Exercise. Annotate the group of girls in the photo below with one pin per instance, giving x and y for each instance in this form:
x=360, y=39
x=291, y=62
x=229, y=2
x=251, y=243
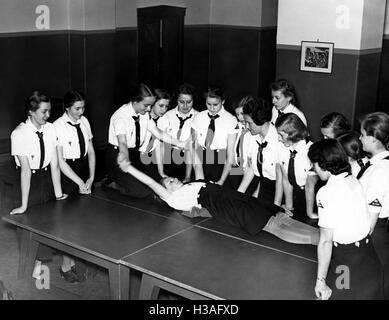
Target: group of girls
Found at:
x=43, y=150
x=264, y=151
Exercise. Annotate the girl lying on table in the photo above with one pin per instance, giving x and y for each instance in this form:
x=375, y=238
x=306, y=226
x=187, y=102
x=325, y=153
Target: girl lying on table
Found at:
x=227, y=206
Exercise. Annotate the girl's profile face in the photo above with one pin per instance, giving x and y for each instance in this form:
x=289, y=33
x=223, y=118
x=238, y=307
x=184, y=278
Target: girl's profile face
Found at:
x=283, y=138
x=323, y=175
x=251, y=125
x=367, y=141
x=40, y=116
x=76, y=111
x=279, y=100
x=239, y=114
x=160, y=107
x=185, y=103
x=143, y=106
x=328, y=133
x=214, y=105
x=172, y=184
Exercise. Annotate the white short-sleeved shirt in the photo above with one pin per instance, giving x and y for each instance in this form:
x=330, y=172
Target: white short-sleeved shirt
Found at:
x=122, y=123
x=375, y=183
x=25, y=142
x=149, y=138
x=290, y=108
x=270, y=153
x=68, y=137
x=225, y=125
x=185, y=198
x=302, y=164
x=170, y=123
x=342, y=207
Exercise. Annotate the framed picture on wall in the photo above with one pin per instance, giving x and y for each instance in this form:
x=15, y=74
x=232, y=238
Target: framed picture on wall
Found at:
x=316, y=56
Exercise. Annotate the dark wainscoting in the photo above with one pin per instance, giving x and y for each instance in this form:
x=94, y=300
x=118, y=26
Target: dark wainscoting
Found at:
x=350, y=89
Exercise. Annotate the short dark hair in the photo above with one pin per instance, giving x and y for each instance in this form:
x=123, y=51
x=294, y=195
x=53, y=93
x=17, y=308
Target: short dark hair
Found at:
x=141, y=91
x=162, y=94
x=330, y=156
x=257, y=108
x=337, y=122
x=187, y=89
x=286, y=88
x=33, y=101
x=293, y=126
x=71, y=97
x=214, y=91
x=376, y=124
x=351, y=144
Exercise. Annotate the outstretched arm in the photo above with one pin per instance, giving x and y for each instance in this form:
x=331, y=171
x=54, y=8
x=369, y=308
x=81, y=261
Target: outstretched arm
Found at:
x=125, y=166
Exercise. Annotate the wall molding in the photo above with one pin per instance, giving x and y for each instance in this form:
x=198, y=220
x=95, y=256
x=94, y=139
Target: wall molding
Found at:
x=353, y=52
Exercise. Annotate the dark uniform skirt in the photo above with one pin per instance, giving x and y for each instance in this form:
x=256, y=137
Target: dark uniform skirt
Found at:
x=235, y=208
x=41, y=191
x=380, y=238
x=81, y=168
x=174, y=162
x=355, y=272
x=128, y=184
x=267, y=189
x=213, y=163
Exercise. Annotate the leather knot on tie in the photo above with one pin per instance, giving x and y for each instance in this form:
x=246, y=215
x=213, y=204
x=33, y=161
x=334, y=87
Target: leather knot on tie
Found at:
x=292, y=154
x=182, y=122
x=211, y=130
x=363, y=169
x=136, y=118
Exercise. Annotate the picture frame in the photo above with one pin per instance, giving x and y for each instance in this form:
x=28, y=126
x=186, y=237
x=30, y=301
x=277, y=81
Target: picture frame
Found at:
x=316, y=56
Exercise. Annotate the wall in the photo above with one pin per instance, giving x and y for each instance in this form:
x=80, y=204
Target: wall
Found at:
x=32, y=59
x=383, y=93
x=352, y=86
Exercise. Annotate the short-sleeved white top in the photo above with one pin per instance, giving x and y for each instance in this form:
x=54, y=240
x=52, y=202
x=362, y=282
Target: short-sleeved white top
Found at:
x=68, y=137
x=342, y=207
x=25, y=142
x=375, y=183
x=290, y=108
x=122, y=122
x=225, y=125
x=302, y=164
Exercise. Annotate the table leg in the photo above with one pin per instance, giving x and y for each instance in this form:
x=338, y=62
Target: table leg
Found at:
x=119, y=282
x=148, y=289
x=27, y=253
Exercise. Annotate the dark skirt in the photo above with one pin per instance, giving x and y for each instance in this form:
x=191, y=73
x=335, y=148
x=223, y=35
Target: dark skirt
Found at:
x=80, y=168
x=380, y=237
x=174, y=163
x=127, y=183
x=213, y=163
x=41, y=187
x=299, y=205
x=355, y=272
x=41, y=191
x=267, y=189
x=237, y=209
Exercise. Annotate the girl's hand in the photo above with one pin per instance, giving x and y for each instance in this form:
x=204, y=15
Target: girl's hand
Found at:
x=89, y=184
x=63, y=197
x=123, y=162
x=19, y=210
x=322, y=291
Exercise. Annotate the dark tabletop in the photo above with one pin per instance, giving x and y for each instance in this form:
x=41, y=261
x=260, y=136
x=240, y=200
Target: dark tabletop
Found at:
x=101, y=227
x=221, y=266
